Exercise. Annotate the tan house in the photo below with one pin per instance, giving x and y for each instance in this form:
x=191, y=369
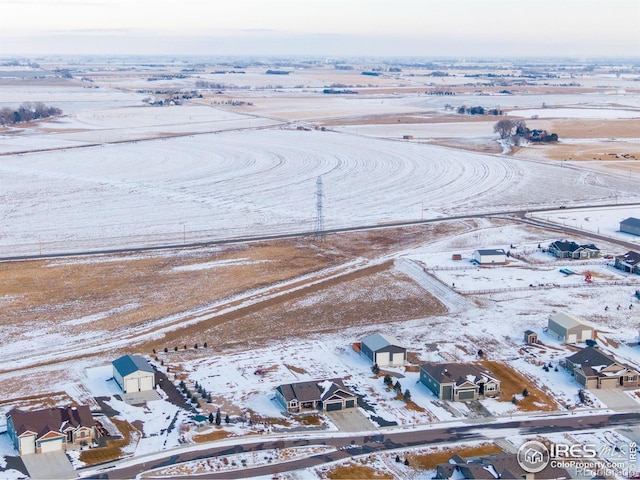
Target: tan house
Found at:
x=459, y=381
x=593, y=369
x=569, y=328
x=51, y=429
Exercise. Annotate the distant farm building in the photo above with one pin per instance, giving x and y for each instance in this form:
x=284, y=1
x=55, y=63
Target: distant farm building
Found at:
x=458, y=382
x=564, y=249
x=51, y=429
x=489, y=257
x=383, y=350
x=456, y=257
x=569, y=328
x=133, y=374
x=320, y=395
x=593, y=369
x=630, y=225
x=629, y=262
x=407, y=137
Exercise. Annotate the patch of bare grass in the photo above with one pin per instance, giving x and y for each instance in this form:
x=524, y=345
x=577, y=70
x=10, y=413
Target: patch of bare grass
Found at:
x=217, y=434
x=113, y=450
x=356, y=471
x=429, y=461
x=513, y=383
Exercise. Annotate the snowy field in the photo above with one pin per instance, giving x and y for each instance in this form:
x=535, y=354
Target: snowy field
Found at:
x=605, y=221
x=220, y=186
x=118, y=174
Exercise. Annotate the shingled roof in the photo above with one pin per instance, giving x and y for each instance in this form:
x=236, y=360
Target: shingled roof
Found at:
x=48, y=420
x=458, y=373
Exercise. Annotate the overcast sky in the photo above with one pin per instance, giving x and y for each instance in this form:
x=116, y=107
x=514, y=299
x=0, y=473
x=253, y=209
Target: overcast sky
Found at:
x=583, y=28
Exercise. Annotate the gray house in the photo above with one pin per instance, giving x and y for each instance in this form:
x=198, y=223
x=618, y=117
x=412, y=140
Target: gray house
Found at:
x=383, y=350
x=458, y=381
x=630, y=225
x=569, y=328
x=629, y=262
x=316, y=396
x=593, y=369
x=565, y=249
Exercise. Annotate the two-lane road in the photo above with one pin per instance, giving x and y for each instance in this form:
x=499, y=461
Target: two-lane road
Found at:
x=366, y=444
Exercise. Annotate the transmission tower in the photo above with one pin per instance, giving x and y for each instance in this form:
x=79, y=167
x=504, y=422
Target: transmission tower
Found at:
x=319, y=230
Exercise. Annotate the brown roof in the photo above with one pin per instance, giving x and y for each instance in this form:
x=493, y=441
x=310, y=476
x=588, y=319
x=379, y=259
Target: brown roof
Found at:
x=50, y=419
x=315, y=390
x=457, y=373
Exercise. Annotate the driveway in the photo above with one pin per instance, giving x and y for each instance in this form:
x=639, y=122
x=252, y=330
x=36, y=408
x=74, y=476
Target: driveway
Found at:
x=53, y=465
x=350, y=420
x=616, y=399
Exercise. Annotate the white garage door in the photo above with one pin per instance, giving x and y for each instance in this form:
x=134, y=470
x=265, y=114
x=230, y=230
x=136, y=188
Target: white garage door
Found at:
x=146, y=383
x=382, y=358
x=586, y=334
x=572, y=338
x=398, y=358
x=51, y=446
x=131, y=385
x=27, y=445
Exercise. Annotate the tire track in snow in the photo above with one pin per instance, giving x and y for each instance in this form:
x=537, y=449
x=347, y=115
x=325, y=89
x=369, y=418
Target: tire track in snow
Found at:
x=449, y=298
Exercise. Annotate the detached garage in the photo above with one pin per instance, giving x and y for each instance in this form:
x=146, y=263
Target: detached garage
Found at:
x=133, y=374
x=383, y=350
x=489, y=257
x=569, y=328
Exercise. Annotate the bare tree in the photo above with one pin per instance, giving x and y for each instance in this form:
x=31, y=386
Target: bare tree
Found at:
x=504, y=128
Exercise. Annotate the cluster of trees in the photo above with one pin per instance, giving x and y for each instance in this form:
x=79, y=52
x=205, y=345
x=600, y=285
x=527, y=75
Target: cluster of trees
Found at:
x=479, y=110
x=397, y=387
x=27, y=112
x=516, y=129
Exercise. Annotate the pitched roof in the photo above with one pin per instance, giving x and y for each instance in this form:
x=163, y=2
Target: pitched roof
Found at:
x=497, y=251
x=631, y=221
x=458, y=373
x=47, y=420
x=315, y=390
x=379, y=340
x=131, y=363
x=564, y=246
x=567, y=320
x=590, y=356
x=631, y=257
x=592, y=362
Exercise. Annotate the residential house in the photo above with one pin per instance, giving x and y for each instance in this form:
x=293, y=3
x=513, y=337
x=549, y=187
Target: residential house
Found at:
x=133, y=374
x=485, y=467
x=592, y=369
x=630, y=225
x=383, y=350
x=489, y=257
x=569, y=328
x=50, y=429
x=317, y=395
x=565, y=249
x=629, y=262
x=459, y=382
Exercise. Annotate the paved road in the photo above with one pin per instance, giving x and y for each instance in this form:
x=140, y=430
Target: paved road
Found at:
x=360, y=444
x=229, y=241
